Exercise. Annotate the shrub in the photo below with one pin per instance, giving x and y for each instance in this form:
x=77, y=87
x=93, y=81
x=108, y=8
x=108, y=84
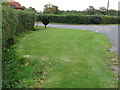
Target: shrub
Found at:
x=79, y=19
x=15, y=22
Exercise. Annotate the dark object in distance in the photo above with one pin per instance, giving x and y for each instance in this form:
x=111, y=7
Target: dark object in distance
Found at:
x=45, y=21
x=96, y=20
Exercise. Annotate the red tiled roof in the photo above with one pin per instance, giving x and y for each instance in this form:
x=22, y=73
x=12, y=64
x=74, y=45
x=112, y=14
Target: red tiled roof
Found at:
x=13, y=3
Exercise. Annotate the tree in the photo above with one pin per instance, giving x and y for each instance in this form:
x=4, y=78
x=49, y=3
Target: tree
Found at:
x=118, y=12
x=39, y=12
x=103, y=10
x=91, y=10
x=112, y=12
x=31, y=9
x=6, y=4
x=24, y=7
x=51, y=9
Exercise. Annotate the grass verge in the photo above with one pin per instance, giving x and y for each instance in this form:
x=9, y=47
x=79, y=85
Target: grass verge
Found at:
x=61, y=58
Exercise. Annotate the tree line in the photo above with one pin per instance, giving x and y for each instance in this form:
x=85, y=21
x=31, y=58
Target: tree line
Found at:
x=53, y=9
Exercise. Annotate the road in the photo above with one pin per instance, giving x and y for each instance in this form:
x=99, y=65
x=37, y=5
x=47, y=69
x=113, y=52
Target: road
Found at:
x=111, y=31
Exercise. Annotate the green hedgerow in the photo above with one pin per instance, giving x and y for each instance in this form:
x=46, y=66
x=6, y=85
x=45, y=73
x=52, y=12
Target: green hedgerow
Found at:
x=78, y=19
x=15, y=22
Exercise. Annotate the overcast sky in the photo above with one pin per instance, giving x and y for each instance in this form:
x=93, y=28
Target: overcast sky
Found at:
x=69, y=4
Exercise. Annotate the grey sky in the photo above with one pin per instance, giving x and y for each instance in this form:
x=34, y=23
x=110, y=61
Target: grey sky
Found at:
x=69, y=4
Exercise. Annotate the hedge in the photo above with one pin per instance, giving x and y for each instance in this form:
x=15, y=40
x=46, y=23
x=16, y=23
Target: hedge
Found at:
x=15, y=22
x=78, y=19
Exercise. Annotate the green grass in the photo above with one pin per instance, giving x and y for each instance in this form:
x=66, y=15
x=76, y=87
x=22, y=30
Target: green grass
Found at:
x=63, y=58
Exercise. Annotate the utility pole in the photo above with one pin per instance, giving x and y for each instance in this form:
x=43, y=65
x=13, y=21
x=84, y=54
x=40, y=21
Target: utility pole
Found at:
x=107, y=6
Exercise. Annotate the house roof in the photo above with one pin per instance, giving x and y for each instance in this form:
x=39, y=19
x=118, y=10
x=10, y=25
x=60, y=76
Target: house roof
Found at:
x=15, y=4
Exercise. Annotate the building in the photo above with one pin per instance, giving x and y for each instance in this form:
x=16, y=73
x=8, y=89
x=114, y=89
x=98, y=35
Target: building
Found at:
x=15, y=5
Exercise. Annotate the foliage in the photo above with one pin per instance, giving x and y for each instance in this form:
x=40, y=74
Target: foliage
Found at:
x=51, y=9
x=112, y=12
x=102, y=10
x=15, y=68
x=118, y=12
x=29, y=9
x=6, y=4
x=15, y=22
x=79, y=19
x=91, y=10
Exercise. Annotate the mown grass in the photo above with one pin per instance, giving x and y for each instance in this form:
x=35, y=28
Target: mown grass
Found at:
x=63, y=58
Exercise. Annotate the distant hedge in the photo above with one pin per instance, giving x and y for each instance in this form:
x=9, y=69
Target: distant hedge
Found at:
x=78, y=19
x=15, y=22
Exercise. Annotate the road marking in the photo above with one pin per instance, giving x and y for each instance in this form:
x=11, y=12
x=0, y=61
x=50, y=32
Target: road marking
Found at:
x=99, y=29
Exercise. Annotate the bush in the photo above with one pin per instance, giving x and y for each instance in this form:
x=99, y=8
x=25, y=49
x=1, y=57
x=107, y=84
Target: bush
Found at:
x=15, y=22
x=79, y=19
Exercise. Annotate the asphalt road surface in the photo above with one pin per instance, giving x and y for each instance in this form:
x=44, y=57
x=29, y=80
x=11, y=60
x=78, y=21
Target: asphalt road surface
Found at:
x=111, y=31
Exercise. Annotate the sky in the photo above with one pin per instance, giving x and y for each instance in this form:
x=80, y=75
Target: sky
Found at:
x=78, y=5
